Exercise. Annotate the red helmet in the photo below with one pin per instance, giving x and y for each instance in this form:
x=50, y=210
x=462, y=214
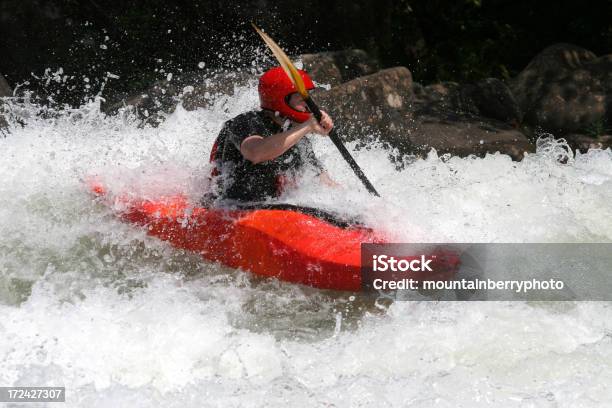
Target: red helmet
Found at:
x=275, y=88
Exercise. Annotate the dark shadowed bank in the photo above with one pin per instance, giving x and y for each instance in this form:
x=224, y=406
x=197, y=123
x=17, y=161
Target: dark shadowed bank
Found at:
x=464, y=77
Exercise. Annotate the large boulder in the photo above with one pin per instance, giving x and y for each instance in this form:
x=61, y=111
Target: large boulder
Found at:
x=565, y=89
x=493, y=99
x=336, y=67
x=375, y=105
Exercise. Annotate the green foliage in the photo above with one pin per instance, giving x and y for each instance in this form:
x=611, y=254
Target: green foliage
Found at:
x=598, y=128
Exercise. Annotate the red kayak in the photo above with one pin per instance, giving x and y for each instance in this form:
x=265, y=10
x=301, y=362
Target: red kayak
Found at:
x=292, y=243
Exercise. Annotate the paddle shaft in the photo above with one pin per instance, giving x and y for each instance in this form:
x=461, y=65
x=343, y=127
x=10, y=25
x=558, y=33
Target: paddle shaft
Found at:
x=345, y=153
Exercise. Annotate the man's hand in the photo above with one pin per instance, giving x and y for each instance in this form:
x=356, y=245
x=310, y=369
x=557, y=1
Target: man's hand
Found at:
x=323, y=127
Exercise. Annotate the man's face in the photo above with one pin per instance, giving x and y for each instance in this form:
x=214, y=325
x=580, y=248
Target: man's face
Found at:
x=297, y=102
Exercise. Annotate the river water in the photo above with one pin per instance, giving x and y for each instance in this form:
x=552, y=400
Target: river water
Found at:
x=121, y=319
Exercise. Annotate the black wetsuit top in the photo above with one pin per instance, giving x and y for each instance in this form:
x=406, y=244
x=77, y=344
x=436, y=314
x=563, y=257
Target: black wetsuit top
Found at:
x=240, y=179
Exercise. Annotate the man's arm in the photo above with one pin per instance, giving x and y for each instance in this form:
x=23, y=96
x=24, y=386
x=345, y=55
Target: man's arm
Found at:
x=257, y=149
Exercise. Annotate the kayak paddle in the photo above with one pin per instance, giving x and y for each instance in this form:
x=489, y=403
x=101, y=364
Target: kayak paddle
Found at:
x=295, y=77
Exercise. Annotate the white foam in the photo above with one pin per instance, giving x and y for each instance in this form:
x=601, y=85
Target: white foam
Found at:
x=122, y=319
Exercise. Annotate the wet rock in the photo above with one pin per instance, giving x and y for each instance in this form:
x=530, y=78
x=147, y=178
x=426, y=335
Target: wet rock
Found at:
x=373, y=105
x=437, y=96
x=466, y=119
x=336, y=67
x=463, y=135
x=565, y=89
x=493, y=99
x=490, y=98
x=5, y=89
x=583, y=143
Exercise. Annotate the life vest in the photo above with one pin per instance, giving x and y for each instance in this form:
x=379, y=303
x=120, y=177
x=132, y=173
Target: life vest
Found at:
x=282, y=180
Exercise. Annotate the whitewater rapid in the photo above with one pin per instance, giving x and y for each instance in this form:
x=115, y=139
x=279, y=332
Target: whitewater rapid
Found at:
x=124, y=320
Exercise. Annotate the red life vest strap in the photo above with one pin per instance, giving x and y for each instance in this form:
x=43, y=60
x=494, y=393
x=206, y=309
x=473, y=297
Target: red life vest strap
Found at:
x=213, y=157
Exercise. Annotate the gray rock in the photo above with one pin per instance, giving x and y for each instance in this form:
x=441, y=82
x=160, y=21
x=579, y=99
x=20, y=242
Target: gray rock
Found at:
x=560, y=56
x=438, y=96
x=565, y=89
x=5, y=89
x=462, y=135
x=489, y=98
x=337, y=67
x=466, y=119
x=375, y=105
x=585, y=142
x=493, y=99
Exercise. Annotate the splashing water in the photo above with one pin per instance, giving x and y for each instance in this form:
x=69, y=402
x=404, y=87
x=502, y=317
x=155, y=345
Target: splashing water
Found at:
x=122, y=319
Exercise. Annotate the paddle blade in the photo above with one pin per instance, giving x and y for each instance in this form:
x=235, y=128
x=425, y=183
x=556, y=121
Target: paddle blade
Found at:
x=285, y=62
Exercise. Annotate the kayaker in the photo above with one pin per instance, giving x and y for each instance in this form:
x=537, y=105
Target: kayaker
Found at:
x=259, y=153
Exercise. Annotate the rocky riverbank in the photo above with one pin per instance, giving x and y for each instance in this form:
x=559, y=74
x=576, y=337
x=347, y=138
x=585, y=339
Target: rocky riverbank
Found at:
x=565, y=90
